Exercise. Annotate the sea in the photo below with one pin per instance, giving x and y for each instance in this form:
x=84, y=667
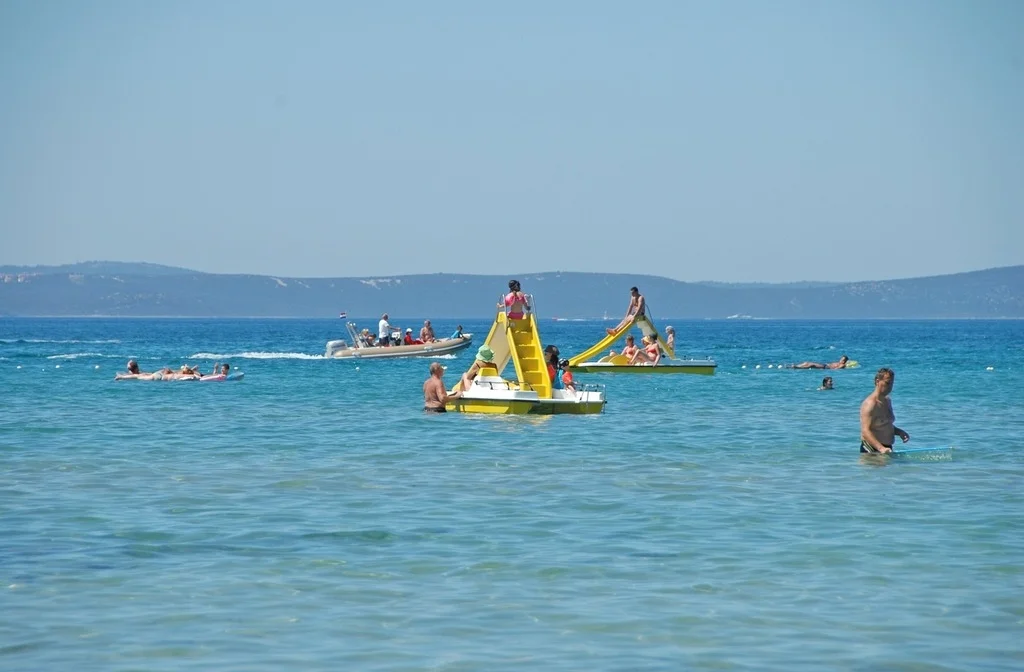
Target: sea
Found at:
x=311, y=516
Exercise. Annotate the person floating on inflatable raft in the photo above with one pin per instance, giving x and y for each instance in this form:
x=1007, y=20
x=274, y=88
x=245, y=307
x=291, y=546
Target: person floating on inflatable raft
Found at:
x=220, y=372
x=843, y=362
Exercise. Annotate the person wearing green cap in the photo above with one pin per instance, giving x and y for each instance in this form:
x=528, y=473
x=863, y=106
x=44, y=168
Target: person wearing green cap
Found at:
x=484, y=358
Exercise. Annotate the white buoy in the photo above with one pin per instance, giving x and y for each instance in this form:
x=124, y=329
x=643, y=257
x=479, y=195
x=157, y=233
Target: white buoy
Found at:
x=744, y=366
x=57, y=367
x=97, y=366
x=758, y=366
x=357, y=368
x=19, y=366
x=988, y=368
x=771, y=366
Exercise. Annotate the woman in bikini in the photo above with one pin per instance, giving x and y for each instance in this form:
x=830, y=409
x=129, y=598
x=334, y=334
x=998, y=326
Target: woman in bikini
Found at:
x=515, y=301
x=651, y=352
x=629, y=351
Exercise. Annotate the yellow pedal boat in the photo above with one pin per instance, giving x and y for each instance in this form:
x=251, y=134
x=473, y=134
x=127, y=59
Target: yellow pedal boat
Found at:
x=517, y=341
x=585, y=362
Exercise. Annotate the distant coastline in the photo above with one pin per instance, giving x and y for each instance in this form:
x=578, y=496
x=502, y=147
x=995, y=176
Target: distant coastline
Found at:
x=120, y=290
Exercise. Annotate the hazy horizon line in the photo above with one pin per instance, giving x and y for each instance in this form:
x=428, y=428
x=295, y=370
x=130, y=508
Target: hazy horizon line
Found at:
x=35, y=267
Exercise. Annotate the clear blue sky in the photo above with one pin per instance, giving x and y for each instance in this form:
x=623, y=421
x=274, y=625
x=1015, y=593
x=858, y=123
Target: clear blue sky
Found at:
x=731, y=141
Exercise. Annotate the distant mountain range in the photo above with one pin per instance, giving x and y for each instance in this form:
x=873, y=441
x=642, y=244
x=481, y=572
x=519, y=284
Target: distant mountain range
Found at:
x=139, y=289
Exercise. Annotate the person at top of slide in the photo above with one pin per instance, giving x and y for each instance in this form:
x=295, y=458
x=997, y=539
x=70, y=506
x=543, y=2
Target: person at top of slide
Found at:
x=637, y=307
x=515, y=301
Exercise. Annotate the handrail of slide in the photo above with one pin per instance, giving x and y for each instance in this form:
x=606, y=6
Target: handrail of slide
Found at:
x=529, y=302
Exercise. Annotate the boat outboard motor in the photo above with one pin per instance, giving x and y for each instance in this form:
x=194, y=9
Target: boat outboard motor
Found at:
x=335, y=346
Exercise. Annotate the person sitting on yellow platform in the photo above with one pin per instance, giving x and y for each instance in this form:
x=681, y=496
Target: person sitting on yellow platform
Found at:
x=650, y=354
x=484, y=358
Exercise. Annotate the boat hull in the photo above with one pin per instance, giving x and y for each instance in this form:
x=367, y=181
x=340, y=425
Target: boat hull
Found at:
x=442, y=347
x=528, y=407
x=496, y=396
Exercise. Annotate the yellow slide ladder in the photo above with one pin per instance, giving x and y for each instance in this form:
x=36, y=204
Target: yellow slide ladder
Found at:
x=524, y=346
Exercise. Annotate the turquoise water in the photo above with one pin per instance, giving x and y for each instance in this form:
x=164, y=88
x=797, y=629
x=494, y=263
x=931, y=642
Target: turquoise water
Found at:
x=311, y=515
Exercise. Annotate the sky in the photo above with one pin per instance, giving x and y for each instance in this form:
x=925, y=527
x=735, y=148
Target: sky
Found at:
x=735, y=141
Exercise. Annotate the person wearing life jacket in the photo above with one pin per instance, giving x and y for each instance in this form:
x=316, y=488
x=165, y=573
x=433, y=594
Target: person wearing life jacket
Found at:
x=567, y=380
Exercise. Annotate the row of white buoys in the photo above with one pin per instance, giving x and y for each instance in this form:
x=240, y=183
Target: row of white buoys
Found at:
x=57, y=366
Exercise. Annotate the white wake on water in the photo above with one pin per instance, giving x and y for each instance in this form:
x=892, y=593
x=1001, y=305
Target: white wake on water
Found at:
x=76, y=355
x=10, y=341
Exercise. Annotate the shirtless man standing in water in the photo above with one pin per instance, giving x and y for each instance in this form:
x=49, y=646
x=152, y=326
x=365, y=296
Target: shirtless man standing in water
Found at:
x=435, y=396
x=877, y=420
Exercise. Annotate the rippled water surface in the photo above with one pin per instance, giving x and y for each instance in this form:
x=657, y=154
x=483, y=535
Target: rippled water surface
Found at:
x=312, y=517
